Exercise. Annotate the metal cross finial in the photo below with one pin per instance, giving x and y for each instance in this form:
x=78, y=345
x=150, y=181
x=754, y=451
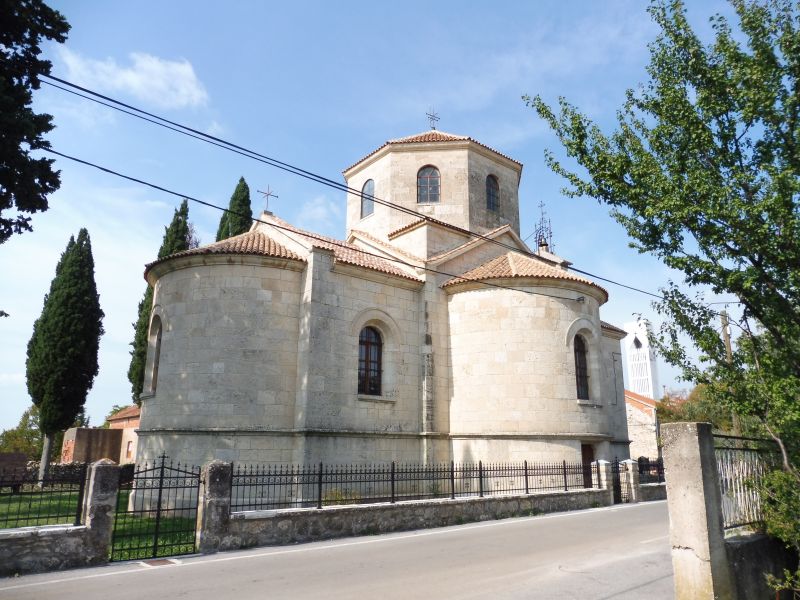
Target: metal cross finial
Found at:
x=267, y=195
x=433, y=117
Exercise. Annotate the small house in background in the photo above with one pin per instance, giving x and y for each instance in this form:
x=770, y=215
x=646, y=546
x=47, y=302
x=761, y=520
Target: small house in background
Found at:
x=126, y=419
x=643, y=427
x=118, y=442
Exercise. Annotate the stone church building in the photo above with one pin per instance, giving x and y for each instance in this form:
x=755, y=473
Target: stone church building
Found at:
x=412, y=340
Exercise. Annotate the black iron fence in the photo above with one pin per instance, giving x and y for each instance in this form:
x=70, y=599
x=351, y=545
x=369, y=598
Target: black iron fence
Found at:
x=651, y=470
x=156, y=511
x=741, y=464
x=268, y=487
x=55, y=500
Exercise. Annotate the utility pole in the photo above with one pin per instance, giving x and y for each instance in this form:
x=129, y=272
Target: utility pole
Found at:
x=726, y=339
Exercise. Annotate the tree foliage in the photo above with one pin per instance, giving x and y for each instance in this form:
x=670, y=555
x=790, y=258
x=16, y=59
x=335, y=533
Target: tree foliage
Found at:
x=179, y=235
x=24, y=181
x=703, y=171
x=697, y=406
x=27, y=437
x=238, y=218
x=62, y=352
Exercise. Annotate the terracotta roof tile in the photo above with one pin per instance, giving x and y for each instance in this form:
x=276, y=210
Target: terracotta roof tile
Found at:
x=129, y=412
x=434, y=135
x=432, y=221
x=252, y=242
x=389, y=247
x=348, y=253
x=642, y=399
x=513, y=265
x=474, y=240
x=606, y=325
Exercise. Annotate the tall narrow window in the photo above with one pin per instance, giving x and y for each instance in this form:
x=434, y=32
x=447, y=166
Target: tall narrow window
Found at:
x=581, y=371
x=492, y=193
x=155, y=343
x=367, y=195
x=428, y=185
x=370, y=348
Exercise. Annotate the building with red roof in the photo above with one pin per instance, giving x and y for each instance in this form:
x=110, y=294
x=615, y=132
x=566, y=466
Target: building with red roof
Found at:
x=430, y=333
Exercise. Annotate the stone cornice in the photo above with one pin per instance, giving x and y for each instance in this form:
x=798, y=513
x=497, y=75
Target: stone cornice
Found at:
x=158, y=270
x=532, y=282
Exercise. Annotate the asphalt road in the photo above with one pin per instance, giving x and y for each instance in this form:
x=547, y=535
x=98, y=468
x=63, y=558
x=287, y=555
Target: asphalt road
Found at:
x=620, y=552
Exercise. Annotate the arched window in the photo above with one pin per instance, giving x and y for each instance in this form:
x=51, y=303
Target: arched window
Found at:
x=492, y=193
x=155, y=343
x=370, y=350
x=428, y=185
x=367, y=195
x=581, y=370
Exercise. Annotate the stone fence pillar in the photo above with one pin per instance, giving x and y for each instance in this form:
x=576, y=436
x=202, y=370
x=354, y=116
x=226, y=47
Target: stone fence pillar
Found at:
x=632, y=468
x=606, y=479
x=100, y=503
x=699, y=559
x=214, y=505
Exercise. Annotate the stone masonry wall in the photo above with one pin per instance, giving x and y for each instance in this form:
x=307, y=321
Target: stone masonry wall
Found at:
x=246, y=530
x=513, y=373
x=49, y=548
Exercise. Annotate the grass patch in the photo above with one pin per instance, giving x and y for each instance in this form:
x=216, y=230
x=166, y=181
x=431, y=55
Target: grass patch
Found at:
x=29, y=505
x=134, y=533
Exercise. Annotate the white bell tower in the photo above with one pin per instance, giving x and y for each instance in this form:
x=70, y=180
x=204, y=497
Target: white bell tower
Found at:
x=641, y=360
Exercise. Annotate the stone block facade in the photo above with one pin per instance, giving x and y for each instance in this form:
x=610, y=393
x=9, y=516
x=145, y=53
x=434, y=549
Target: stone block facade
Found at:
x=256, y=352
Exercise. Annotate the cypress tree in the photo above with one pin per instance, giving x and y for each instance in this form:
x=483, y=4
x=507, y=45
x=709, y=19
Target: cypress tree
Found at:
x=62, y=352
x=239, y=217
x=178, y=236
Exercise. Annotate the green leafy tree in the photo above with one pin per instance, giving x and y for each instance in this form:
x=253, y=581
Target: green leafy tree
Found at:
x=703, y=171
x=178, y=236
x=62, y=352
x=25, y=181
x=114, y=410
x=697, y=406
x=239, y=216
x=27, y=437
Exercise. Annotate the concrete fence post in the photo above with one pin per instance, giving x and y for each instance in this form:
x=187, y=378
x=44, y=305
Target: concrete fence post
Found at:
x=699, y=559
x=100, y=503
x=214, y=505
x=606, y=480
x=632, y=467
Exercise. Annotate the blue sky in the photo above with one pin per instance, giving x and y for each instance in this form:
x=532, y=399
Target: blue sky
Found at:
x=319, y=85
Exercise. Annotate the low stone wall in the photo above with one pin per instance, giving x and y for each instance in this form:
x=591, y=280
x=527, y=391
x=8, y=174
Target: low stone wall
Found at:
x=649, y=492
x=264, y=528
x=49, y=548
x=52, y=547
x=751, y=557
x=219, y=529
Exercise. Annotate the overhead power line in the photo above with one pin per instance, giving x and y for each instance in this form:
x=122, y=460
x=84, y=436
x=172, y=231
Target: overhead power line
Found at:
x=291, y=230
x=252, y=154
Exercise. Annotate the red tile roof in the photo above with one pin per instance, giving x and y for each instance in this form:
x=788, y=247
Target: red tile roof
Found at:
x=514, y=265
x=253, y=242
x=629, y=395
x=434, y=135
x=474, y=240
x=389, y=248
x=417, y=222
x=611, y=327
x=129, y=412
x=348, y=253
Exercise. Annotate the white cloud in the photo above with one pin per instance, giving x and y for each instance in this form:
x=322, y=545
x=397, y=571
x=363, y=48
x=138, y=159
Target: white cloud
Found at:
x=156, y=81
x=319, y=214
x=546, y=61
x=216, y=129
